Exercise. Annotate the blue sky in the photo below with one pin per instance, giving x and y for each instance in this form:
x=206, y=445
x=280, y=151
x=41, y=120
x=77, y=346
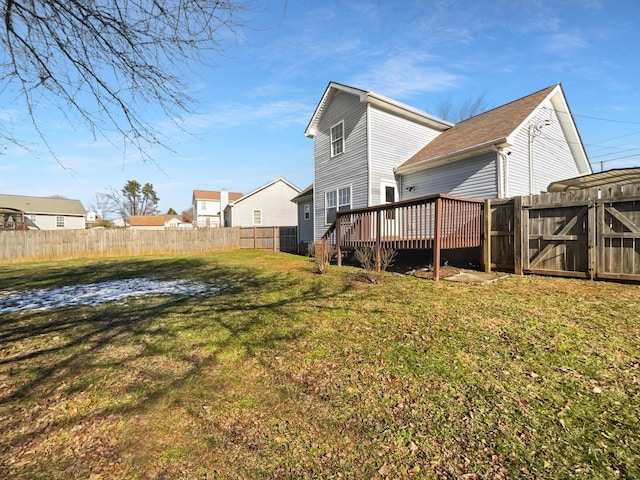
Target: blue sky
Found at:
x=257, y=98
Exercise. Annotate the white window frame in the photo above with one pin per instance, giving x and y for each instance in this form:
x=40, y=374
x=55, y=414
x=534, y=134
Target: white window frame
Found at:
x=340, y=200
x=60, y=221
x=307, y=211
x=337, y=142
x=259, y=212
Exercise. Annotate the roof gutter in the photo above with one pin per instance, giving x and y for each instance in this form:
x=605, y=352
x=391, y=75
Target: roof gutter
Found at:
x=489, y=146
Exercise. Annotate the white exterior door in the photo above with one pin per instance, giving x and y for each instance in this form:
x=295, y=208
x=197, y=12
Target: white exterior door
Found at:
x=390, y=222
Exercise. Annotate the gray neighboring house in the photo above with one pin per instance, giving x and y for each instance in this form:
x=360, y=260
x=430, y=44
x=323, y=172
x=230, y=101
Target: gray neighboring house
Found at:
x=304, y=201
x=267, y=206
x=44, y=213
x=370, y=150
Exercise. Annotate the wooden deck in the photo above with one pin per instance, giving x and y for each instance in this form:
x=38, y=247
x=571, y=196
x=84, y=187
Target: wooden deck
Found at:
x=435, y=222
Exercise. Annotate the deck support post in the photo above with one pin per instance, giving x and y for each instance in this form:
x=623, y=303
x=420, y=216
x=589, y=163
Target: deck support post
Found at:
x=338, y=239
x=378, y=239
x=437, y=241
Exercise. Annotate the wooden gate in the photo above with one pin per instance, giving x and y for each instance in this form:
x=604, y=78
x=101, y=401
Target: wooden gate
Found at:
x=558, y=238
x=584, y=233
x=619, y=235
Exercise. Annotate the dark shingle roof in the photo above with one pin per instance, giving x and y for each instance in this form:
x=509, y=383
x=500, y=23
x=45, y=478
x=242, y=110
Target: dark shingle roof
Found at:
x=482, y=129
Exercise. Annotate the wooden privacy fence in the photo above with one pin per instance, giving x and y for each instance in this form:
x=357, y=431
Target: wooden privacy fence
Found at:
x=591, y=233
x=52, y=244
x=283, y=239
x=434, y=222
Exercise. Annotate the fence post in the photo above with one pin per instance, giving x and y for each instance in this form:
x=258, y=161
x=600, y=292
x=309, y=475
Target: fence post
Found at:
x=255, y=238
x=486, y=240
x=274, y=239
x=591, y=241
x=437, y=241
x=518, y=234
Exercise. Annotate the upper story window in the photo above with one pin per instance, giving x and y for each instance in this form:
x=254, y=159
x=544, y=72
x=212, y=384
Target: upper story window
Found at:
x=307, y=211
x=59, y=221
x=203, y=205
x=337, y=139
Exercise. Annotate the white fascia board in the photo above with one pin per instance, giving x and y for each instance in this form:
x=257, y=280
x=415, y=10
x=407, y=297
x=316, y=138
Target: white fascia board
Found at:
x=571, y=133
x=405, y=111
x=454, y=156
x=379, y=101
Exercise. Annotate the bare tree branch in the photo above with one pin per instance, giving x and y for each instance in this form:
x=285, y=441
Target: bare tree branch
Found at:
x=114, y=64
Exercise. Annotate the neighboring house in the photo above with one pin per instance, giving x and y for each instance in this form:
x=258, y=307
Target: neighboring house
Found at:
x=157, y=222
x=267, y=206
x=304, y=202
x=44, y=213
x=370, y=150
x=208, y=207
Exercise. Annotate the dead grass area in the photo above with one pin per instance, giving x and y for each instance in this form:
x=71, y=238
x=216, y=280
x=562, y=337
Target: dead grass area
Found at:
x=290, y=374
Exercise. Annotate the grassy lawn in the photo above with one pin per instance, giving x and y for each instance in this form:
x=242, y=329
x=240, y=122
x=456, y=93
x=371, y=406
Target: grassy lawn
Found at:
x=290, y=374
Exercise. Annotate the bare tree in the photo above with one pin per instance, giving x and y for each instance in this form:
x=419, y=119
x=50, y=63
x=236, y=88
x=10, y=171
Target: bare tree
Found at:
x=110, y=62
x=446, y=110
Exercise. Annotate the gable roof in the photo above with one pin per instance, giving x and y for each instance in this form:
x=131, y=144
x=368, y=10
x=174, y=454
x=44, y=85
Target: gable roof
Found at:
x=380, y=101
x=214, y=195
x=279, y=179
x=43, y=205
x=147, y=220
x=496, y=128
x=304, y=195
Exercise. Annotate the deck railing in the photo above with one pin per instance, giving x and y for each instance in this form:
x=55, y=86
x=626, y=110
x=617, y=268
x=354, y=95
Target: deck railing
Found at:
x=13, y=225
x=434, y=222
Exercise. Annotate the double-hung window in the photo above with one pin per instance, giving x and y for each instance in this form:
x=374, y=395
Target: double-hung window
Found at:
x=59, y=221
x=330, y=205
x=257, y=217
x=307, y=211
x=335, y=200
x=337, y=139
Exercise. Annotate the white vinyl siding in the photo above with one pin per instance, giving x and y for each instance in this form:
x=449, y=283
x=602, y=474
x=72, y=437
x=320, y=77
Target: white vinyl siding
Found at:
x=552, y=158
x=349, y=168
x=274, y=203
x=474, y=177
x=393, y=140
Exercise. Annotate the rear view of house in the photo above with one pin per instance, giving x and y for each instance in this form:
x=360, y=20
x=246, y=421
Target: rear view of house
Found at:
x=267, y=206
x=209, y=205
x=370, y=150
x=41, y=213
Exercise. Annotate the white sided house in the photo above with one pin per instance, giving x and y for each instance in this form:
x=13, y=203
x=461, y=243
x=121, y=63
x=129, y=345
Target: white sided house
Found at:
x=209, y=205
x=267, y=206
x=370, y=150
x=42, y=213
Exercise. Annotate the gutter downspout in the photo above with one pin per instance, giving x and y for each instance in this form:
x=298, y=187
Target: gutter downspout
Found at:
x=503, y=173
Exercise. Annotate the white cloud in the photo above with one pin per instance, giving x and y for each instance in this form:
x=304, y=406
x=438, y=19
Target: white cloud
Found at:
x=565, y=43
x=406, y=76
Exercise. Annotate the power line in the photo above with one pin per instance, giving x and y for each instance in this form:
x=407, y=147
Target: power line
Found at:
x=615, y=153
x=598, y=118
